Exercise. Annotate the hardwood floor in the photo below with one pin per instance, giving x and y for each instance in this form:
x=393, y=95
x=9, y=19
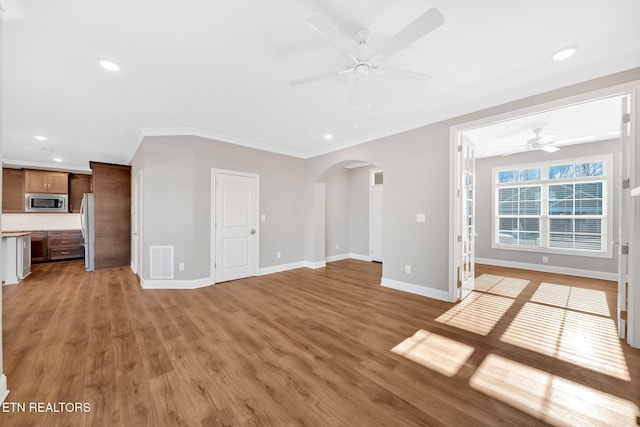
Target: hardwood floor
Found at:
x=316, y=348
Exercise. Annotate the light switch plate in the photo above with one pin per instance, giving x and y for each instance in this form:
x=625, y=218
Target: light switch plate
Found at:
x=420, y=217
x=263, y=217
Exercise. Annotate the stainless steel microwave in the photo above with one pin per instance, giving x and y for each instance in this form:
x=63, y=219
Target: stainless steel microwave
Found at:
x=45, y=202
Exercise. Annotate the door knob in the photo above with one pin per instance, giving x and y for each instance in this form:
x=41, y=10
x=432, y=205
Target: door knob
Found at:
x=253, y=231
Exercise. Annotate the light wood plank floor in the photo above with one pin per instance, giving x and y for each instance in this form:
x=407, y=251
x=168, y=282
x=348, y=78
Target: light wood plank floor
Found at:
x=317, y=348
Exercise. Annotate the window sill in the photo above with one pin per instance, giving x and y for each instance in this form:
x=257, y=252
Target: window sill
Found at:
x=555, y=251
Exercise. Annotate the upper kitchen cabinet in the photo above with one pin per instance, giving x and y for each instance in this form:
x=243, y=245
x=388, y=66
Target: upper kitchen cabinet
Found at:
x=46, y=182
x=78, y=185
x=112, y=214
x=12, y=190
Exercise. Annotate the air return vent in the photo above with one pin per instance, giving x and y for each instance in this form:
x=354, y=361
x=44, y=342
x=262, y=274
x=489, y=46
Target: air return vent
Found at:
x=161, y=262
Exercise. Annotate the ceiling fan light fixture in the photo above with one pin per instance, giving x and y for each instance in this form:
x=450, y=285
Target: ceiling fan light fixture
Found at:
x=110, y=66
x=564, y=53
x=549, y=148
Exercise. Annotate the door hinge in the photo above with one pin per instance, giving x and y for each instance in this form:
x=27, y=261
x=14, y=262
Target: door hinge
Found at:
x=459, y=192
x=626, y=183
x=624, y=249
x=215, y=264
x=459, y=148
x=459, y=238
x=626, y=118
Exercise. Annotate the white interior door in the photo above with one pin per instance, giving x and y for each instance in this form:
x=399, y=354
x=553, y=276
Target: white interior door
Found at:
x=137, y=221
x=376, y=223
x=236, y=225
x=623, y=218
x=467, y=235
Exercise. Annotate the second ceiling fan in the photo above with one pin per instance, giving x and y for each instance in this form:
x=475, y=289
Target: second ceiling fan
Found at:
x=361, y=63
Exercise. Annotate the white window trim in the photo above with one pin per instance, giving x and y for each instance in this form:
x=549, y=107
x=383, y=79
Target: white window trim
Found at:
x=607, y=219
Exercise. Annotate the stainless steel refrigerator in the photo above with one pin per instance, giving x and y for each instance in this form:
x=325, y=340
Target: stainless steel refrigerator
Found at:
x=87, y=225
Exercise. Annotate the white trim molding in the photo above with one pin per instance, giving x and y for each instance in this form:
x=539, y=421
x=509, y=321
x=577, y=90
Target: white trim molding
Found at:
x=360, y=257
x=339, y=257
x=424, y=291
x=4, y=392
x=176, y=284
x=280, y=268
x=591, y=274
x=315, y=264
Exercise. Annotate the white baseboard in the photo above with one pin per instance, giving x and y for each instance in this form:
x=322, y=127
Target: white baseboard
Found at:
x=280, y=268
x=175, y=284
x=340, y=257
x=550, y=269
x=133, y=268
x=360, y=257
x=3, y=388
x=415, y=289
x=314, y=265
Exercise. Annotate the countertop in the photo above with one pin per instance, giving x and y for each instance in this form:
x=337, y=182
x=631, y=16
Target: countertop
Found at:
x=15, y=233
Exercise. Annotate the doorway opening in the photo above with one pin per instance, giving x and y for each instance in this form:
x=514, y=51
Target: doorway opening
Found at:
x=543, y=189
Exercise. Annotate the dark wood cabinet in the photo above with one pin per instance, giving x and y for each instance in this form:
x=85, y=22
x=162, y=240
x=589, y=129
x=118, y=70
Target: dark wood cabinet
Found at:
x=37, y=181
x=65, y=244
x=12, y=190
x=112, y=214
x=38, y=246
x=78, y=185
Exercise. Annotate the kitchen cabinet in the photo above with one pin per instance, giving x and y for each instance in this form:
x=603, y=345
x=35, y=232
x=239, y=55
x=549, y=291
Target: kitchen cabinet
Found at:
x=46, y=182
x=66, y=244
x=112, y=214
x=38, y=246
x=78, y=185
x=12, y=190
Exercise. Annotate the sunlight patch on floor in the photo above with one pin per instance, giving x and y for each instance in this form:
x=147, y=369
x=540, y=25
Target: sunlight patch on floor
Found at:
x=478, y=313
x=435, y=352
x=500, y=285
x=580, y=338
x=554, y=399
x=587, y=300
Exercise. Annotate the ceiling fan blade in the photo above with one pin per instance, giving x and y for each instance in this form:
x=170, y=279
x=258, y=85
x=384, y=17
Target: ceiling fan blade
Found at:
x=423, y=25
x=407, y=75
x=316, y=77
x=329, y=31
x=360, y=92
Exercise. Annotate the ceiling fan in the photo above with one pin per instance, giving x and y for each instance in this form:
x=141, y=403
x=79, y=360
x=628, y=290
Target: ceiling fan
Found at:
x=361, y=62
x=538, y=142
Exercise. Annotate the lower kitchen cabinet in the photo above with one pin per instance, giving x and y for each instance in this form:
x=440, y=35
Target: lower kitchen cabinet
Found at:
x=56, y=245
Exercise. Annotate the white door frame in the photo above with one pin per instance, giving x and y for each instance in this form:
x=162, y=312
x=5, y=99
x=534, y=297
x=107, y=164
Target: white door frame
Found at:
x=137, y=219
x=212, y=244
x=630, y=89
x=372, y=173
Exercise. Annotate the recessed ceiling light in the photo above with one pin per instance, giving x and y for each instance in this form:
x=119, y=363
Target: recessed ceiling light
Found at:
x=486, y=152
x=549, y=148
x=41, y=138
x=57, y=159
x=578, y=139
x=108, y=65
x=328, y=136
x=564, y=53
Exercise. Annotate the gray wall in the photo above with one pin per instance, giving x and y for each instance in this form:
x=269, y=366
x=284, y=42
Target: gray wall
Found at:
x=484, y=211
x=416, y=168
x=176, y=199
x=359, y=189
x=337, y=212
x=1, y=272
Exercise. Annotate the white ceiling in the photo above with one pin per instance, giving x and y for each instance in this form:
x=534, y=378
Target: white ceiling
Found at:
x=596, y=120
x=221, y=69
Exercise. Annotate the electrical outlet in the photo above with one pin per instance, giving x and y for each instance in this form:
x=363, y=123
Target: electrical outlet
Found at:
x=545, y=259
x=407, y=269
x=278, y=254
x=181, y=266
x=420, y=217
x=263, y=217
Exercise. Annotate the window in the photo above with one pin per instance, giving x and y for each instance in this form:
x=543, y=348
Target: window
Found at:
x=558, y=207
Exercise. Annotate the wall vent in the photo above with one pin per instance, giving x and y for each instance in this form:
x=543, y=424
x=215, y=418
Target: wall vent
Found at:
x=161, y=262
